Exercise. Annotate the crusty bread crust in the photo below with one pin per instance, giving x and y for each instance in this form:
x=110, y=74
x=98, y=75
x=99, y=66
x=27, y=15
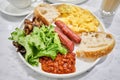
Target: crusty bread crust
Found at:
x=46, y=12
x=94, y=54
x=39, y=15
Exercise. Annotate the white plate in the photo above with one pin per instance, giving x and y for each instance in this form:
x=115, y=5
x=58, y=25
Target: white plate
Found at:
x=8, y=9
x=81, y=66
x=67, y=1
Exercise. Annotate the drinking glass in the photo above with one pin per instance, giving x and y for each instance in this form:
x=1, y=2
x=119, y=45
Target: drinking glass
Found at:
x=109, y=7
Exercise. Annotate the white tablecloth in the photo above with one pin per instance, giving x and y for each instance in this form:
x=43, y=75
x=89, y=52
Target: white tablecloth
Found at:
x=12, y=67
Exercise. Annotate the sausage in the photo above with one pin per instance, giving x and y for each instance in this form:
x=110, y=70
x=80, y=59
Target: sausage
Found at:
x=65, y=40
x=69, y=33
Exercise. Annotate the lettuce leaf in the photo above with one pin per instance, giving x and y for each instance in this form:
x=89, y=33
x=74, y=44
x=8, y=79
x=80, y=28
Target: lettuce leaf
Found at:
x=40, y=42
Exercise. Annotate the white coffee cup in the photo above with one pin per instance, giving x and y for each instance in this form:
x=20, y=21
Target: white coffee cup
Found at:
x=21, y=3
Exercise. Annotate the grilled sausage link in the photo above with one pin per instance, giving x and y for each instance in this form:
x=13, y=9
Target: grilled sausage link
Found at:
x=65, y=40
x=74, y=37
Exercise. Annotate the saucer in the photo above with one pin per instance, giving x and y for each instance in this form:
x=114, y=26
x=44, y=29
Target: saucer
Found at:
x=8, y=9
x=67, y=1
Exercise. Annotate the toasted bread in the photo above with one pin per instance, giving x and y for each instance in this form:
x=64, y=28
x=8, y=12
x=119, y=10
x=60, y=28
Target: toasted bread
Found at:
x=95, y=44
x=46, y=12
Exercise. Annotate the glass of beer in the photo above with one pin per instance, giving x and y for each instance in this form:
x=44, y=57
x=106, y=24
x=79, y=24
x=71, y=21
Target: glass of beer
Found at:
x=109, y=7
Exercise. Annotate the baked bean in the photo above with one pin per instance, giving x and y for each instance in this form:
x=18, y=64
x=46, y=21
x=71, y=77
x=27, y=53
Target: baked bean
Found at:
x=63, y=64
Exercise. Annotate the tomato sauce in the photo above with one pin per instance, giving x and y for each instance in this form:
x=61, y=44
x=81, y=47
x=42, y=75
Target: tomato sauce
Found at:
x=63, y=64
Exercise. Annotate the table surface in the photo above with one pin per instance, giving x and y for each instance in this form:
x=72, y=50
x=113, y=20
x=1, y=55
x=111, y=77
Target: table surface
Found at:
x=12, y=68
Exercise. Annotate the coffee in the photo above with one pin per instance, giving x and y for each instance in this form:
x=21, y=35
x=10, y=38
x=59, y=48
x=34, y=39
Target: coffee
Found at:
x=110, y=6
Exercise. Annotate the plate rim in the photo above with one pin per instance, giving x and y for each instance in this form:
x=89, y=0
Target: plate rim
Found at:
x=59, y=75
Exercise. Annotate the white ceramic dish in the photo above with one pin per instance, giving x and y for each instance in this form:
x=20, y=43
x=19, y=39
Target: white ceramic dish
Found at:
x=81, y=66
x=8, y=9
x=67, y=1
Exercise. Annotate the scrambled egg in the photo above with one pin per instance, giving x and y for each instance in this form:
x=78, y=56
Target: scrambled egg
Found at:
x=78, y=19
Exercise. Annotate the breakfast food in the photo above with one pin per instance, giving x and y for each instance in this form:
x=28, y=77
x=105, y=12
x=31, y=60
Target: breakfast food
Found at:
x=40, y=40
x=64, y=40
x=95, y=44
x=57, y=35
x=78, y=19
x=63, y=64
x=46, y=12
x=65, y=29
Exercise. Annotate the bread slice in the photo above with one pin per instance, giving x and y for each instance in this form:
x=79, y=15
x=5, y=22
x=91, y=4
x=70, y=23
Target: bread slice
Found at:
x=46, y=12
x=95, y=44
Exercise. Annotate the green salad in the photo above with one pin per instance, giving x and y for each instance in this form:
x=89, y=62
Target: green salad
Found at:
x=43, y=41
